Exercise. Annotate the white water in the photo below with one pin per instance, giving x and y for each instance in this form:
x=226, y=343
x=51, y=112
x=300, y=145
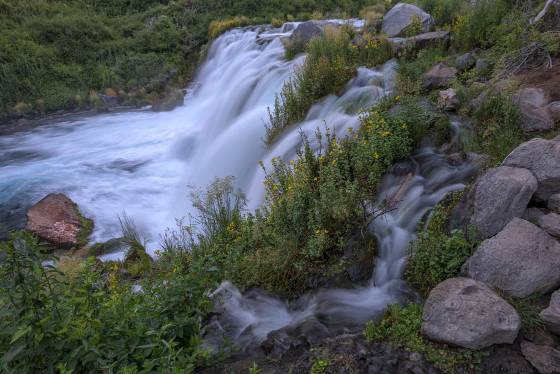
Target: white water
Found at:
x=141, y=163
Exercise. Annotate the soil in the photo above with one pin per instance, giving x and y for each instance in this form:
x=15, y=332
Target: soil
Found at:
x=548, y=80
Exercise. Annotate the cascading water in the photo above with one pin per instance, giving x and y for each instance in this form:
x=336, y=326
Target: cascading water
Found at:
x=141, y=163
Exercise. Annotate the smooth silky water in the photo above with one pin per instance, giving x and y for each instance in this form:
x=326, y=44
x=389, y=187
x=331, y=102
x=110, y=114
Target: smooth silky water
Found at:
x=141, y=163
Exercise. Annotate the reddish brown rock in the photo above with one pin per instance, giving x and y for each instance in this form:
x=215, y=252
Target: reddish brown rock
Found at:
x=55, y=219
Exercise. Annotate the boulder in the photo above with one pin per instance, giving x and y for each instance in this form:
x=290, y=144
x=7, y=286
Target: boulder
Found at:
x=534, y=109
x=522, y=259
x=418, y=42
x=542, y=158
x=57, y=220
x=482, y=68
x=554, y=110
x=466, y=62
x=304, y=33
x=403, y=15
x=551, y=224
x=554, y=203
x=466, y=313
x=500, y=195
x=448, y=100
x=551, y=315
x=438, y=76
x=544, y=358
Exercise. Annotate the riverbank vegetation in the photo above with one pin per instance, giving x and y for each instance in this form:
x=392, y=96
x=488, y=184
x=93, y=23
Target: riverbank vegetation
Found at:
x=147, y=316
x=70, y=54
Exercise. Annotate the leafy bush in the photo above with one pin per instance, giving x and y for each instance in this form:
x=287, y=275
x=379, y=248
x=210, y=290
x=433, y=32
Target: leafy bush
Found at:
x=401, y=327
x=95, y=323
x=477, y=25
x=497, y=126
x=331, y=61
x=436, y=255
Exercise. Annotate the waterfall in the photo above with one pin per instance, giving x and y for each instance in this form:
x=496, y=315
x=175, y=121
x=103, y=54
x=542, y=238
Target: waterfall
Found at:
x=141, y=163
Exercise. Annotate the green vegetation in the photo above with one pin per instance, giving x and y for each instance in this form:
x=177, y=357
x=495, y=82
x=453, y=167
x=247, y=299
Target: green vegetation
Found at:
x=410, y=70
x=529, y=309
x=331, y=61
x=401, y=327
x=62, y=54
x=94, y=322
x=437, y=255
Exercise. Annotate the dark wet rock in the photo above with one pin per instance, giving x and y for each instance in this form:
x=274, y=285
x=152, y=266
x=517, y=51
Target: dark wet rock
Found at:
x=466, y=313
x=501, y=194
x=551, y=224
x=520, y=260
x=419, y=42
x=533, y=214
x=466, y=62
x=57, y=220
x=545, y=358
x=505, y=359
x=169, y=101
x=542, y=158
x=438, y=76
x=551, y=315
x=397, y=20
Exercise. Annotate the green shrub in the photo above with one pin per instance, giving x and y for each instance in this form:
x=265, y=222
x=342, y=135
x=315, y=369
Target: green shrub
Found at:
x=497, y=126
x=401, y=327
x=95, y=323
x=436, y=255
x=331, y=61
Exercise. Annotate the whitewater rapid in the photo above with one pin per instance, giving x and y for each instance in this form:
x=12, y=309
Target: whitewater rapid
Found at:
x=142, y=163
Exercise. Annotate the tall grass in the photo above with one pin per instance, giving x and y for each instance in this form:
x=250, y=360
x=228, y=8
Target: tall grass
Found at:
x=331, y=61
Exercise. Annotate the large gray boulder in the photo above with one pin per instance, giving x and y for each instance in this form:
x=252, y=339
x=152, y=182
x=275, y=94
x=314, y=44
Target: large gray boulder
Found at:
x=466, y=313
x=551, y=224
x=304, y=33
x=535, y=113
x=401, y=16
x=500, y=195
x=439, y=76
x=465, y=62
x=551, y=315
x=521, y=260
x=542, y=158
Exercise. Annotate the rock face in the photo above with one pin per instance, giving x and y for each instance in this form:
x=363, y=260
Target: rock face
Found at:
x=554, y=203
x=551, y=224
x=501, y=194
x=422, y=41
x=466, y=62
x=551, y=315
x=304, y=33
x=534, y=109
x=466, y=313
x=169, y=101
x=521, y=259
x=438, y=76
x=56, y=219
x=448, y=100
x=542, y=158
x=544, y=358
x=403, y=15
x=554, y=110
